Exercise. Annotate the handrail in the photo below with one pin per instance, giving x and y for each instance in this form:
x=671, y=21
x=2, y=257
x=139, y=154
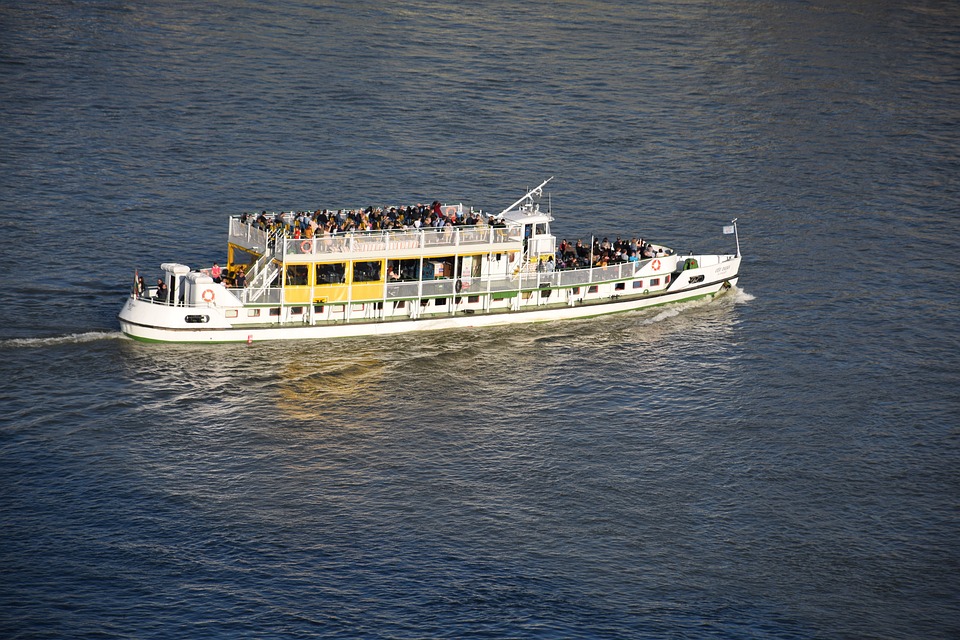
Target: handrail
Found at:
x=386, y=241
x=261, y=274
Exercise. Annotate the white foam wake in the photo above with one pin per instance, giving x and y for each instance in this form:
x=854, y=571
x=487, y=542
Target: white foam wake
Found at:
x=735, y=296
x=73, y=338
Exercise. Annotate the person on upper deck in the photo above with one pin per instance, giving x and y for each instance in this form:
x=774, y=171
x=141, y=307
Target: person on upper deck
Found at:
x=583, y=251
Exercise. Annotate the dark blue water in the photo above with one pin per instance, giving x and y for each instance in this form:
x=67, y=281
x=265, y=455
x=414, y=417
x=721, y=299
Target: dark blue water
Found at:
x=778, y=463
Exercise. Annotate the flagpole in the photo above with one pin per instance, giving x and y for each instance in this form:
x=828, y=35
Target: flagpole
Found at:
x=736, y=235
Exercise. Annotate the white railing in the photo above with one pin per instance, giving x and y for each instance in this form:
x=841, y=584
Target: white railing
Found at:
x=412, y=289
x=246, y=235
x=373, y=241
x=268, y=295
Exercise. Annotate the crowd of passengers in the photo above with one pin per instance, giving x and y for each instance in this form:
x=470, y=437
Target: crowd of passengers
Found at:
x=304, y=224
x=603, y=252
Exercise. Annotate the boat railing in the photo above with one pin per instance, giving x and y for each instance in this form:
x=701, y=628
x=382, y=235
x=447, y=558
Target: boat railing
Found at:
x=394, y=241
x=246, y=235
x=414, y=289
x=266, y=295
x=265, y=269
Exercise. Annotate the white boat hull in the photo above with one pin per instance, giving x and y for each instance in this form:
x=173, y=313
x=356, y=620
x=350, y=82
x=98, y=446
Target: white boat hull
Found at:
x=139, y=319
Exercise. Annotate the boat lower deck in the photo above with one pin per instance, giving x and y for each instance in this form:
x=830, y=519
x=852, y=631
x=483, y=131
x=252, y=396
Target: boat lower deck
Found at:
x=303, y=329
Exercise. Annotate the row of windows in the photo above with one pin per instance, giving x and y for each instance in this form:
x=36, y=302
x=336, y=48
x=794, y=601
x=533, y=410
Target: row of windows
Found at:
x=369, y=271
x=335, y=273
x=621, y=286
x=357, y=306
x=275, y=311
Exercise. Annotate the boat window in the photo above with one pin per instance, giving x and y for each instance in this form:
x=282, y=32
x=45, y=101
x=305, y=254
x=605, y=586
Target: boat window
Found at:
x=472, y=299
x=333, y=273
x=367, y=271
x=654, y=282
x=231, y=313
x=638, y=284
x=297, y=311
x=404, y=269
x=197, y=319
x=296, y=275
x=253, y=313
x=541, y=228
x=592, y=289
x=238, y=256
x=274, y=311
x=620, y=286
x=318, y=308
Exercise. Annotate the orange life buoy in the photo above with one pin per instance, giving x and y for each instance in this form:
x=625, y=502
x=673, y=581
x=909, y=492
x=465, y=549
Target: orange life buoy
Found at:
x=306, y=246
x=656, y=265
x=207, y=295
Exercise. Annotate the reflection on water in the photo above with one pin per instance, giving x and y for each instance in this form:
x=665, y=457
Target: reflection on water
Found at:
x=321, y=390
x=359, y=383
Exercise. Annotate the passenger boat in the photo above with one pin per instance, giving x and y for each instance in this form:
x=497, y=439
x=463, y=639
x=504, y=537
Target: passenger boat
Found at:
x=300, y=277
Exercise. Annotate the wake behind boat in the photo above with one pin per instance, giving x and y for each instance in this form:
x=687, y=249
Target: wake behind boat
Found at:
x=326, y=274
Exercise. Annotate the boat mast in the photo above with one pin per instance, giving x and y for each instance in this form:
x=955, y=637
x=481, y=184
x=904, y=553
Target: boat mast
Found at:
x=536, y=191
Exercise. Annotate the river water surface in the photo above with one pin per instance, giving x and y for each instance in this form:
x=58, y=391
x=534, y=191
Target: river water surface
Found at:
x=778, y=463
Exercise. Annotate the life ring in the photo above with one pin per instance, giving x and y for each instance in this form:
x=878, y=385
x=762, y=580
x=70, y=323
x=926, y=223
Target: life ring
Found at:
x=458, y=286
x=306, y=246
x=449, y=210
x=656, y=265
x=207, y=295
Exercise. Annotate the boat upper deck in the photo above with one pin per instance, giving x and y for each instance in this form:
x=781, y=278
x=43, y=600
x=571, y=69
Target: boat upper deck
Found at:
x=455, y=239
x=284, y=238
x=396, y=231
